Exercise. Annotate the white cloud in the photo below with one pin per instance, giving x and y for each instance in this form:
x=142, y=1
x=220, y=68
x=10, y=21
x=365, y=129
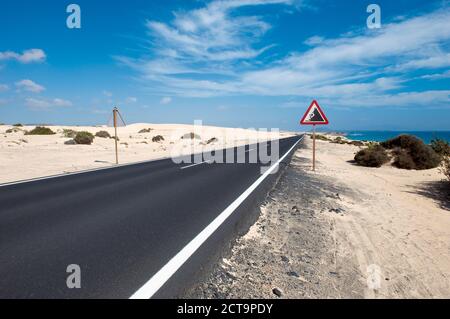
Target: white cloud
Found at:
x=27, y=56
x=131, y=99
x=30, y=86
x=315, y=40
x=4, y=87
x=209, y=41
x=211, y=52
x=437, y=76
x=46, y=103
x=166, y=100
x=107, y=93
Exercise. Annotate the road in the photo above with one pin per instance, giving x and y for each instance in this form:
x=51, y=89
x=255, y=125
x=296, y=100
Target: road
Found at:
x=131, y=229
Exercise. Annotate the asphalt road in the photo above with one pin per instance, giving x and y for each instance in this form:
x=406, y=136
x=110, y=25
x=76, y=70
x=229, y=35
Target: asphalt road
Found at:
x=120, y=225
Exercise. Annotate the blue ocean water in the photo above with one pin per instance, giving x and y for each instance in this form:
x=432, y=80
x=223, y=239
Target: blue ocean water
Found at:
x=379, y=136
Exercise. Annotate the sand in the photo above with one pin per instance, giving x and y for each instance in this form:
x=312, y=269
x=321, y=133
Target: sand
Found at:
x=398, y=224
x=343, y=231
x=31, y=156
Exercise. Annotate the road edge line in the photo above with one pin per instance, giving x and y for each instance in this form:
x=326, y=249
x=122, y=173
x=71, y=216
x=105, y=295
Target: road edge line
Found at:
x=171, y=267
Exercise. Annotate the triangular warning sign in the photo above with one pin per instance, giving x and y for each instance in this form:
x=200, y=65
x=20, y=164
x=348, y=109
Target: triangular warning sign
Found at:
x=314, y=115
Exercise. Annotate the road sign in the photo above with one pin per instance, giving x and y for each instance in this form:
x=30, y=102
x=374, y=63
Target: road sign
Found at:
x=314, y=115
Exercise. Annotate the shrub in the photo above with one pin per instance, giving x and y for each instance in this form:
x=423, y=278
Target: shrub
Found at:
x=69, y=133
x=320, y=137
x=70, y=142
x=339, y=140
x=356, y=143
x=145, y=130
x=191, y=136
x=157, y=138
x=84, y=138
x=441, y=147
x=372, y=157
x=212, y=140
x=17, y=125
x=445, y=166
x=402, y=159
x=13, y=130
x=40, y=130
x=413, y=150
x=103, y=134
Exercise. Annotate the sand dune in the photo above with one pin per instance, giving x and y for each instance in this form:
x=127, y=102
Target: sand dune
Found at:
x=30, y=156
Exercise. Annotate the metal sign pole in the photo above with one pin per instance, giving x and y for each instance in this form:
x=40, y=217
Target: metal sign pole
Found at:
x=115, y=132
x=314, y=147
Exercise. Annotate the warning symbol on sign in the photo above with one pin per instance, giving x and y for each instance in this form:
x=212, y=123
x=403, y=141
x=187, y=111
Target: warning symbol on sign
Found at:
x=314, y=115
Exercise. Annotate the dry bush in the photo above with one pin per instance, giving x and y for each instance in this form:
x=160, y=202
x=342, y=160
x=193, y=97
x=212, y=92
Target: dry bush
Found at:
x=103, y=134
x=441, y=147
x=445, y=166
x=374, y=156
x=412, y=153
x=83, y=137
x=212, y=140
x=40, y=130
x=157, y=138
x=191, y=136
x=69, y=133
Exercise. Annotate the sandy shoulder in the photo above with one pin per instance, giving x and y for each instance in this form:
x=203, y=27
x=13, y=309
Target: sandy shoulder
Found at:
x=398, y=225
x=343, y=231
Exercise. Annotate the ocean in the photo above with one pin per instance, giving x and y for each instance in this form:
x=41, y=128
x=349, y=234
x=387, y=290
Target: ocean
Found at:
x=379, y=136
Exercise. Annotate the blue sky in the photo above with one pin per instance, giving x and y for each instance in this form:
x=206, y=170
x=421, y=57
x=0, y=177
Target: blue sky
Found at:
x=239, y=63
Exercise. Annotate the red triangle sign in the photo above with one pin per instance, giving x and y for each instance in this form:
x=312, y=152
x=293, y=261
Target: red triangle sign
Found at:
x=314, y=115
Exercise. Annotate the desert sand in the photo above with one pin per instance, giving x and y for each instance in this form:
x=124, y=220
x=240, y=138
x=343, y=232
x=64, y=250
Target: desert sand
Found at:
x=343, y=231
x=31, y=156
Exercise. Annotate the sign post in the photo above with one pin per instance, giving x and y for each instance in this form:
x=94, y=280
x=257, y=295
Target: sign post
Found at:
x=314, y=116
x=115, y=111
x=116, y=118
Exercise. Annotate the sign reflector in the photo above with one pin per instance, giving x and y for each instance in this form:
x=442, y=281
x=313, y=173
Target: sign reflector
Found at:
x=314, y=115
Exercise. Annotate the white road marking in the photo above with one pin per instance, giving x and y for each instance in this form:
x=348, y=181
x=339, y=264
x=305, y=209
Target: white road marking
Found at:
x=184, y=167
x=164, y=274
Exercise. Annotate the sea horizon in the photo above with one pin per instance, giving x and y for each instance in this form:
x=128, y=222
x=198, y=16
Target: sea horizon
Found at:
x=382, y=135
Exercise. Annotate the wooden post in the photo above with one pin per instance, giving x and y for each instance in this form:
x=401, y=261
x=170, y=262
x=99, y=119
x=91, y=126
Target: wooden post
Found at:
x=115, y=132
x=314, y=147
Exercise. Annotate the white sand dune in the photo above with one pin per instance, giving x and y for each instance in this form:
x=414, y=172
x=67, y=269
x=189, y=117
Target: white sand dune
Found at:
x=30, y=156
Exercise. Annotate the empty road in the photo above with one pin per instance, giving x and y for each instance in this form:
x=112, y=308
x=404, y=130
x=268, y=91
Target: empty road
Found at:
x=131, y=229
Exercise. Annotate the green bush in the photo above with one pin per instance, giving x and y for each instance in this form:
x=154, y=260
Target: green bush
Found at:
x=40, y=130
x=145, y=130
x=441, y=147
x=69, y=133
x=103, y=134
x=409, y=149
x=372, y=156
x=191, y=136
x=17, y=125
x=83, y=137
x=157, y=138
